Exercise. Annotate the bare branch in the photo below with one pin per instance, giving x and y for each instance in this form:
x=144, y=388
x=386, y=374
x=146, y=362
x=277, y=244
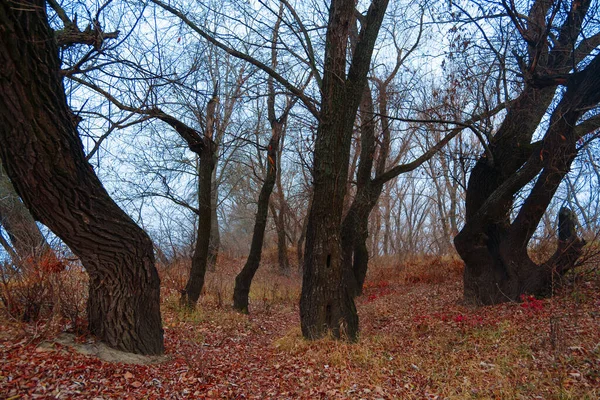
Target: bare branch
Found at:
x=308, y=102
x=400, y=169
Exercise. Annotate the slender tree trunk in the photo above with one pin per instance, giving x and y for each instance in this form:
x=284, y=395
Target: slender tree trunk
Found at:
x=282, y=255
x=302, y=238
x=207, y=154
x=272, y=164
x=387, y=230
x=193, y=288
x=355, y=232
x=43, y=155
x=244, y=279
x=24, y=234
x=282, y=258
x=355, y=226
x=215, y=234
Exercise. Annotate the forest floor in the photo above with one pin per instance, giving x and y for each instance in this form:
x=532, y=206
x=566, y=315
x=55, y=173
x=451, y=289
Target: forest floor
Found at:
x=418, y=341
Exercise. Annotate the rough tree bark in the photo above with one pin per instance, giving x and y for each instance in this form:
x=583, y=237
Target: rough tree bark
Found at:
x=494, y=248
x=327, y=303
x=43, y=155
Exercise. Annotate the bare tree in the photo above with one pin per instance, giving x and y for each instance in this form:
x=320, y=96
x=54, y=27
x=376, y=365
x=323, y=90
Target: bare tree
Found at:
x=272, y=165
x=554, y=50
x=25, y=236
x=62, y=190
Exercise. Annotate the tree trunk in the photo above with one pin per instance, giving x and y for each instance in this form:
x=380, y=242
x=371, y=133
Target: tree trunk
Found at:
x=302, y=238
x=215, y=235
x=43, y=155
x=355, y=232
x=244, y=279
x=279, y=215
x=24, y=234
x=355, y=227
x=327, y=303
x=272, y=166
x=193, y=288
x=497, y=266
x=282, y=257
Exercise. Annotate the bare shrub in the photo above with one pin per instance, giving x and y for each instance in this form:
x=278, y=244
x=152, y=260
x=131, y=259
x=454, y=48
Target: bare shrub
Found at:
x=50, y=288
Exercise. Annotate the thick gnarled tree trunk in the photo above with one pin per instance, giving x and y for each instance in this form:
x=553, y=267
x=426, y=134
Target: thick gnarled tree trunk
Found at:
x=494, y=247
x=497, y=266
x=43, y=155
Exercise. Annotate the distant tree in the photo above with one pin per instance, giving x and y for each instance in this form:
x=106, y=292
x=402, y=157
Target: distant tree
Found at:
x=26, y=239
x=201, y=126
x=43, y=155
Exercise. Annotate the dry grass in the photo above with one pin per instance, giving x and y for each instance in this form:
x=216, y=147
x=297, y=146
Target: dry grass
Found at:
x=417, y=341
x=51, y=289
x=421, y=269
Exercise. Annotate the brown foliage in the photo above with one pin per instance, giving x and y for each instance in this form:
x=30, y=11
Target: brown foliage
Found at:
x=49, y=288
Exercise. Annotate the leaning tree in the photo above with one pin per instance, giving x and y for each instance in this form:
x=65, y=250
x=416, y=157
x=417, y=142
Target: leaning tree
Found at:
x=43, y=155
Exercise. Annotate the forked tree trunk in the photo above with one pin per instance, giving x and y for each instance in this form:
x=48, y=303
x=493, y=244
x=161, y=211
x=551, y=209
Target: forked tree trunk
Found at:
x=327, y=303
x=43, y=155
x=497, y=266
x=494, y=248
x=355, y=227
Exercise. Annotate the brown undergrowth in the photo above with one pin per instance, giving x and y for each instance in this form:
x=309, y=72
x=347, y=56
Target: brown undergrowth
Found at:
x=418, y=341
